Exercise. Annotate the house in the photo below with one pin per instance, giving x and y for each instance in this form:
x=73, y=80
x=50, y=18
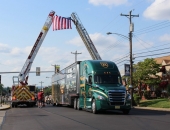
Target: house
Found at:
x=164, y=74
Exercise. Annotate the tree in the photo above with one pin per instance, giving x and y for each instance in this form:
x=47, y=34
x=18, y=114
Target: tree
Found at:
x=47, y=91
x=1, y=87
x=146, y=73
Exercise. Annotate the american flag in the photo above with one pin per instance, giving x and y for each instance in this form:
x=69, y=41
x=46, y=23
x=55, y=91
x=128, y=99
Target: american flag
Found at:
x=60, y=23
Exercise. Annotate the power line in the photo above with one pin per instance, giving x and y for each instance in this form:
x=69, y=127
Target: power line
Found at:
x=152, y=26
x=111, y=46
x=153, y=54
x=153, y=47
x=152, y=30
x=153, y=50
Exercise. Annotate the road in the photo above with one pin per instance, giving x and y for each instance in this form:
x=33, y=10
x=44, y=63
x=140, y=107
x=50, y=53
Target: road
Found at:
x=65, y=118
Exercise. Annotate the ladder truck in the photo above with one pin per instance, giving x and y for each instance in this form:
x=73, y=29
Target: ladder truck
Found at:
x=22, y=93
x=93, y=85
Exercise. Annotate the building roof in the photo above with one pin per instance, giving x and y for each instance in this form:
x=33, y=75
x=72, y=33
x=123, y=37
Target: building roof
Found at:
x=166, y=59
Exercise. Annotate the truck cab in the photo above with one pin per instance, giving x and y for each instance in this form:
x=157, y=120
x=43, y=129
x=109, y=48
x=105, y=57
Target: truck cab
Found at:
x=101, y=87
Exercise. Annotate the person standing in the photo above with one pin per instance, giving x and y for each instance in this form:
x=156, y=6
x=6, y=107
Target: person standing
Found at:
x=40, y=99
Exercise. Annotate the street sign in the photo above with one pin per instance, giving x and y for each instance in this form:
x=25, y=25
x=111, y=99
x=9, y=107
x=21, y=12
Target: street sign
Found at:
x=37, y=71
x=127, y=70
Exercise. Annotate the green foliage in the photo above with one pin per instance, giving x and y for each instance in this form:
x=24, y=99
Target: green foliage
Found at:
x=147, y=94
x=145, y=72
x=136, y=98
x=158, y=92
x=168, y=89
x=47, y=91
x=1, y=87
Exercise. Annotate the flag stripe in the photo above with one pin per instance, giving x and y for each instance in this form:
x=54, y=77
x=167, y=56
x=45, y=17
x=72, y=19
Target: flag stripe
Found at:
x=60, y=23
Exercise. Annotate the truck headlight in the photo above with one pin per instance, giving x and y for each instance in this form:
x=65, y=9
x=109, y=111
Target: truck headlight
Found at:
x=100, y=97
x=128, y=97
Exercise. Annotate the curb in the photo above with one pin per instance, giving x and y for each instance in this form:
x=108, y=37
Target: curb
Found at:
x=5, y=107
x=152, y=108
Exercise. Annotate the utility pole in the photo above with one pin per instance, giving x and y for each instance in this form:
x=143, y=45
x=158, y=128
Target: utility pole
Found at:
x=41, y=84
x=75, y=55
x=130, y=16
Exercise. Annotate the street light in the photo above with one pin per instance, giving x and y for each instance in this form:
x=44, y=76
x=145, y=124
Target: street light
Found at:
x=118, y=34
x=131, y=62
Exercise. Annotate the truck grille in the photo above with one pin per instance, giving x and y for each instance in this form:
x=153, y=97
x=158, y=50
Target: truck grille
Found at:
x=117, y=97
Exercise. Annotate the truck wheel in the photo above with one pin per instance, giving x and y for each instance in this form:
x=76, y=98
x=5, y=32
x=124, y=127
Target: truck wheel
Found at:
x=12, y=105
x=78, y=104
x=16, y=105
x=75, y=103
x=126, y=112
x=94, y=109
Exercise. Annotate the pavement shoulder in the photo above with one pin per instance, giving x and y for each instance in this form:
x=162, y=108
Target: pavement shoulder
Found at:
x=152, y=108
x=4, y=107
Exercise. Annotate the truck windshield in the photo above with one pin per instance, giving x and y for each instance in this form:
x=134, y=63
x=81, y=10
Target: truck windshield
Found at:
x=107, y=79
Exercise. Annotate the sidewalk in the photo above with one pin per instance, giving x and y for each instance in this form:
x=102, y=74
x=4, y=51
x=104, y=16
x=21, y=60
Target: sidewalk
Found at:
x=4, y=107
x=152, y=108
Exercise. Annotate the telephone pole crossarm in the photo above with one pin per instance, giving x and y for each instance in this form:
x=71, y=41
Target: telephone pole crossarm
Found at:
x=75, y=55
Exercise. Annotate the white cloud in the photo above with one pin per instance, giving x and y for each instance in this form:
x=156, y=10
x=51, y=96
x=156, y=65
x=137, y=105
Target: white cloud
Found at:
x=158, y=10
x=4, y=48
x=107, y=2
x=16, y=51
x=75, y=41
x=165, y=38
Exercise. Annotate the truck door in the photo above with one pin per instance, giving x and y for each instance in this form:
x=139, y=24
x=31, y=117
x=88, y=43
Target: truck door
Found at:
x=88, y=87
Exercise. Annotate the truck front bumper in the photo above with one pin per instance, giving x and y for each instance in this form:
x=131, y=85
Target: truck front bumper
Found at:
x=105, y=105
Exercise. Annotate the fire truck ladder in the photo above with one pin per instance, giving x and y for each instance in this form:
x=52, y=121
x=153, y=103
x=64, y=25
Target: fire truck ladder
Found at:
x=85, y=37
x=23, y=76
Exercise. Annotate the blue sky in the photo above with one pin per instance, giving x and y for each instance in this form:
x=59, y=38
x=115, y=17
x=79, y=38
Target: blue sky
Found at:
x=21, y=22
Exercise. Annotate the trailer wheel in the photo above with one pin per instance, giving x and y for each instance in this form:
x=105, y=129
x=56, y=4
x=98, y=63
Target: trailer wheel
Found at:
x=78, y=104
x=75, y=103
x=94, y=109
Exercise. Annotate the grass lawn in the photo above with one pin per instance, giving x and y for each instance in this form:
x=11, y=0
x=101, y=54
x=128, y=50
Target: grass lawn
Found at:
x=157, y=103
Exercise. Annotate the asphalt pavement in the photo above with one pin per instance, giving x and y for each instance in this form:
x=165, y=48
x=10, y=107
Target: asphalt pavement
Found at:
x=3, y=109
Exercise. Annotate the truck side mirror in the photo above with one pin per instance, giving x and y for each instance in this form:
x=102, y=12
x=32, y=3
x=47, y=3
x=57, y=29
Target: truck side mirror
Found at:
x=90, y=79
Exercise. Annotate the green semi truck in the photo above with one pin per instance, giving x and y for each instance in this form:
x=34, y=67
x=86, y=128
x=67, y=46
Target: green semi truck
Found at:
x=92, y=85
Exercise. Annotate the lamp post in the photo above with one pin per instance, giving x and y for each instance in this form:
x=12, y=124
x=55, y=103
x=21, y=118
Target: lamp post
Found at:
x=131, y=60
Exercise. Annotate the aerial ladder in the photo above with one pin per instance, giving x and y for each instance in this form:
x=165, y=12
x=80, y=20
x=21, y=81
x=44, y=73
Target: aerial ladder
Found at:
x=85, y=37
x=22, y=78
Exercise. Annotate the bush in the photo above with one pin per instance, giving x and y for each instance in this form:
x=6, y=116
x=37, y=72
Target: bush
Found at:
x=168, y=89
x=158, y=92
x=136, y=98
x=147, y=94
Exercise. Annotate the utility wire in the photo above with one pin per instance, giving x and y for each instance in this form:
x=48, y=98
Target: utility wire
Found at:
x=152, y=26
x=111, y=46
x=154, y=47
x=153, y=54
x=152, y=51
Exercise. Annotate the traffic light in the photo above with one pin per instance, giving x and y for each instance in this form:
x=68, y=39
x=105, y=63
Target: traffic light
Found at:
x=37, y=71
x=0, y=79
